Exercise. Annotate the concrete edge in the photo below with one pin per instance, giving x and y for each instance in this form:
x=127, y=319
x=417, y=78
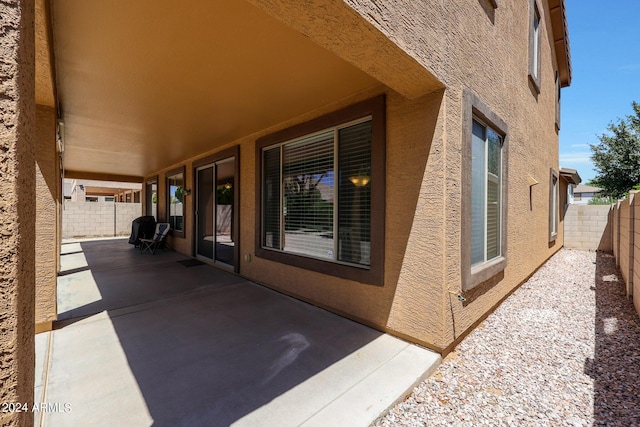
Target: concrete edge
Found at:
x=360, y=405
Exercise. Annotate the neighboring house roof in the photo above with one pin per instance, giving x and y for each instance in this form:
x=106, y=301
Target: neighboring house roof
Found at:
x=586, y=189
x=571, y=175
x=99, y=188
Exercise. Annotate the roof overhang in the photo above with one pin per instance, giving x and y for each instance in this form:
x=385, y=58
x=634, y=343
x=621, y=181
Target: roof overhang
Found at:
x=570, y=175
x=561, y=40
x=136, y=96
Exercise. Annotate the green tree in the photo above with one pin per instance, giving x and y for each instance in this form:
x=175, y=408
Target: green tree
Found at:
x=617, y=156
x=178, y=194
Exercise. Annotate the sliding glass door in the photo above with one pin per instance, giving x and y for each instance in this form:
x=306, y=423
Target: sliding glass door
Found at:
x=215, y=212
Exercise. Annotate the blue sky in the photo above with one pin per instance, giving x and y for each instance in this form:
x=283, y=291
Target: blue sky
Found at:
x=605, y=55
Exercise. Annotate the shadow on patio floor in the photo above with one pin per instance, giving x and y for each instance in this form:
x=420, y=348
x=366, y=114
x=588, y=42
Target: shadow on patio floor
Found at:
x=172, y=345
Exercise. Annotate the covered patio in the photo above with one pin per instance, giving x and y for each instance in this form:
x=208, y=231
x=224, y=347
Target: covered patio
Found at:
x=148, y=340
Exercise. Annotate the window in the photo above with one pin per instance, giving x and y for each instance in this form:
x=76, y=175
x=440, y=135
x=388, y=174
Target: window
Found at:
x=484, y=205
x=534, y=46
x=175, y=195
x=486, y=200
x=151, y=197
x=553, y=205
x=322, y=194
x=109, y=199
x=558, y=87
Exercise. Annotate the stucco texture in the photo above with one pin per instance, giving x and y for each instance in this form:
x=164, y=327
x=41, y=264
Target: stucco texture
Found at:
x=486, y=51
x=47, y=199
x=17, y=207
x=483, y=50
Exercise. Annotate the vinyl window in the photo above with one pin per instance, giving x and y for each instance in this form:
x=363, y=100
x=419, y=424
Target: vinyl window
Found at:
x=322, y=193
x=317, y=195
x=486, y=194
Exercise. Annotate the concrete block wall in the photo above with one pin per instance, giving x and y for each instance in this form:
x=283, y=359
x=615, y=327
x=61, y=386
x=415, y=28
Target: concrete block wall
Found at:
x=635, y=252
x=125, y=213
x=626, y=232
x=624, y=252
x=98, y=219
x=588, y=227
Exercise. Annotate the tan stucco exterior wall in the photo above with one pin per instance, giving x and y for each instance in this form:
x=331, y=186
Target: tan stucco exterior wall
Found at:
x=487, y=52
x=17, y=208
x=47, y=199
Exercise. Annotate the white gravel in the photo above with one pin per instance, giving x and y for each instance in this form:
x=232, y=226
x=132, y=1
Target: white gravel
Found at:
x=563, y=350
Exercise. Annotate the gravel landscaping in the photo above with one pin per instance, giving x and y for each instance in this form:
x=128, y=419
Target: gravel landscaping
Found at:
x=563, y=350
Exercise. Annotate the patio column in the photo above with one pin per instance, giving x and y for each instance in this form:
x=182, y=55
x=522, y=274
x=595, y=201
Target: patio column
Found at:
x=17, y=207
x=47, y=202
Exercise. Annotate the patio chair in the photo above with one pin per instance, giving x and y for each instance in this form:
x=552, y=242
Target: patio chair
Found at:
x=162, y=228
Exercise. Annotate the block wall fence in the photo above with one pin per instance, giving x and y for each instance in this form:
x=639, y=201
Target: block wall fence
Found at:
x=588, y=227
x=614, y=228
x=98, y=219
x=626, y=243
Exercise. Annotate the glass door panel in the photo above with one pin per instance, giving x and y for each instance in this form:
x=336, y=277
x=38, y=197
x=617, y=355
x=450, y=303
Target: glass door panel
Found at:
x=224, y=191
x=205, y=213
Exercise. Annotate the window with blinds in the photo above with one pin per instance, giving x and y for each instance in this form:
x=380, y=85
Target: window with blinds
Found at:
x=486, y=192
x=316, y=196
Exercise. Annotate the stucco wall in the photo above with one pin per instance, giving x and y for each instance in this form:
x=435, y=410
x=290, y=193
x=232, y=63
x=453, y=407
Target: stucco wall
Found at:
x=487, y=52
x=47, y=195
x=98, y=219
x=589, y=227
x=17, y=208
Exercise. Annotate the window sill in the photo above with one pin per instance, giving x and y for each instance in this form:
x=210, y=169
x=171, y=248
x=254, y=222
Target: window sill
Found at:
x=535, y=82
x=369, y=276
x=553, y=237
x=174, y=233
x=483, y=272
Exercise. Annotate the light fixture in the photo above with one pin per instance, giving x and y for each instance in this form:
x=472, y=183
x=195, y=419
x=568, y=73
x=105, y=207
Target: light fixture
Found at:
x=227, y=186
x=360, y=180
x=187, y=192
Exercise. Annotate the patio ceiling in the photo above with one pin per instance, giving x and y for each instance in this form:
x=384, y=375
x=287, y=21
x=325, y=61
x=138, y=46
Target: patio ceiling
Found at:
x=145, y=84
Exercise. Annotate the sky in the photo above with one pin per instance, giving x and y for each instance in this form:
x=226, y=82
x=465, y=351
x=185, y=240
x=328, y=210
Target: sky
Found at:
x=604, y=40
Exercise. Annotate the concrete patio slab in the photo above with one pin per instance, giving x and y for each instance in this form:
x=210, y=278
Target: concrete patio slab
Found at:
x=117, y=275
x=215, y=352
x=42, y=361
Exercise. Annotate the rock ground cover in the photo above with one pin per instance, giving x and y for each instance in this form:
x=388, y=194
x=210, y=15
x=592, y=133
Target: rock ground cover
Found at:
x=562, y=350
